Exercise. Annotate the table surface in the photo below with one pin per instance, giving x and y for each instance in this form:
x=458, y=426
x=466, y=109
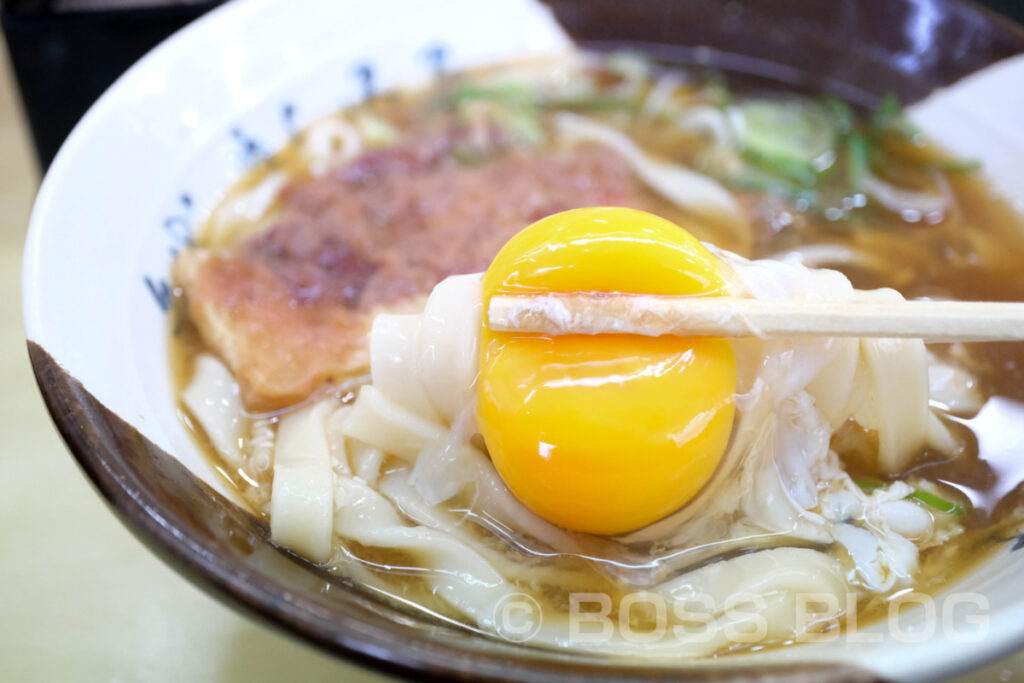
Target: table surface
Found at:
x=80, y=598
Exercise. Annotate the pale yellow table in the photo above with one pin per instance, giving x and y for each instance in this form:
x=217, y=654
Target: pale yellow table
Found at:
x=80, y=598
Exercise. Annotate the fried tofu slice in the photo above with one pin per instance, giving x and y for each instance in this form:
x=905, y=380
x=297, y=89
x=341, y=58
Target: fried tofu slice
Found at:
x=288, y=310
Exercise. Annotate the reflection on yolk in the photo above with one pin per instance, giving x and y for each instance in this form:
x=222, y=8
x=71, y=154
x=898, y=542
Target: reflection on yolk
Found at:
x=608, y=433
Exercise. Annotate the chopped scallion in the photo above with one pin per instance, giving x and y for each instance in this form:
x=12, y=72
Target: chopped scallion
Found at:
x=920, y=495
x=869, y=483
x=841, y=112
x=937, y=502
x=857, y=159
x=889, y=116
x=794, y=131
x=509, y=93
x=796, y=171
x=888, y=109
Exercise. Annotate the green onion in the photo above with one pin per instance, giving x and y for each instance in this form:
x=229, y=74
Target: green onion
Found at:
x=795, y=129
x=521, y=95
x=889, y=116
x=920, y=495
x=522, y=125
x=787, y=139
x=877, y=154
x=514, y=107
x=888, y=109
x=937, y=502
x=869, y=483
x=508, y=93
x=841, y=112
x=857, y=159
x=796, y=171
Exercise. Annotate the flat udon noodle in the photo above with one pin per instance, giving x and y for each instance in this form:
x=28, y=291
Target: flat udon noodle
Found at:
x=474, y=577
x=791, y=396
x=778, y=484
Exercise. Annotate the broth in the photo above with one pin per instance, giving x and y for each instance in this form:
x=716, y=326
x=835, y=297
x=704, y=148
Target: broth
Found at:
x=974, y=251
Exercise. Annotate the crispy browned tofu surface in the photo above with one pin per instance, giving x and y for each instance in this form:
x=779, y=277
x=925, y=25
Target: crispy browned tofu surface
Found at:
x=289, y=309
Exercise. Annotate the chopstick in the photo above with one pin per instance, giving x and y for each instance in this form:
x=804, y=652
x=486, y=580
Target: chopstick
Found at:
x=599, y=313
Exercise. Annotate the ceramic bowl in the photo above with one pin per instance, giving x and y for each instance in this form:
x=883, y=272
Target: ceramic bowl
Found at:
x=155, y=153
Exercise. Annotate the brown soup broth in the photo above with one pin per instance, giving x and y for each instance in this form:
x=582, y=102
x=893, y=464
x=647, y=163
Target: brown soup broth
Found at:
x=975, y=252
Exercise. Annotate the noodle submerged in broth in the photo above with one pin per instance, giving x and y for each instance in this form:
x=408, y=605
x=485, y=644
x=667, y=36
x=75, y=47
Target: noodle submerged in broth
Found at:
x=328, y=343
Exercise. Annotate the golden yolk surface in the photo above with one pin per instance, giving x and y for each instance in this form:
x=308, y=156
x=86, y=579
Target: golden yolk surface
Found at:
x=605, y=433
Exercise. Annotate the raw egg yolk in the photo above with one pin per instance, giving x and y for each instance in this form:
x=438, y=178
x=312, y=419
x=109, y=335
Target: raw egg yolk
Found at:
x=606, y=433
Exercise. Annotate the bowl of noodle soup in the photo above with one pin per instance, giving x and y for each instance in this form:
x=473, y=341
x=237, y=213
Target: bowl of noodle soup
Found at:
x=277, y=282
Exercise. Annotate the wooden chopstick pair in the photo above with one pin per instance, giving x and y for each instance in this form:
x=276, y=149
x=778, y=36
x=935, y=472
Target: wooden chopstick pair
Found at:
x=598, y=313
